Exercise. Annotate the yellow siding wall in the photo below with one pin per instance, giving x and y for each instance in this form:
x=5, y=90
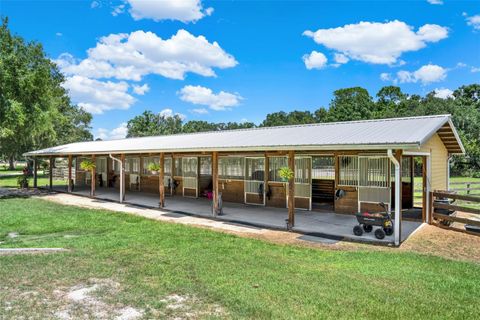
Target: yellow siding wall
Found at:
x=439, y=158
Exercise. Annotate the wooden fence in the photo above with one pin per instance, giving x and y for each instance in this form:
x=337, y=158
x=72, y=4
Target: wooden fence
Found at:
x=464, y=187
x=468, y=188
x=464, y=208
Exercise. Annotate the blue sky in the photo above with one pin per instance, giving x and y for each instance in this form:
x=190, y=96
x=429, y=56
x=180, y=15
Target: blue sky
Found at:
x=239, y=60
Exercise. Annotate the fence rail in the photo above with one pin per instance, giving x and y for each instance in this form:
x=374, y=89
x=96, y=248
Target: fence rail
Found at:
x=452, y=216
x=460, y=187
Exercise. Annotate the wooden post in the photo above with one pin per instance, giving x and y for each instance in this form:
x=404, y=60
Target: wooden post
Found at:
x=291, y=190
x=94, y=178
x=412, y=180
x=51, y=173
x=161, y=175
x=35, y=174
x=215, y=182
x=266, y=176
x=173, y=175
x=430, y=211
x=69, y=185
x=122, y=175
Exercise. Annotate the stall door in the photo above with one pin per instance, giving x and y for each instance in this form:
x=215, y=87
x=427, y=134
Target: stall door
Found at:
x=190, y=176
x=101, y=171
x=255, y=181
x=303, y=183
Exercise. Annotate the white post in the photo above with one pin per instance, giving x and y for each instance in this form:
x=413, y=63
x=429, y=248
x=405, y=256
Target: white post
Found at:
x=448, y=172
x=429, y=187
x=121, y=175
x=396, y=228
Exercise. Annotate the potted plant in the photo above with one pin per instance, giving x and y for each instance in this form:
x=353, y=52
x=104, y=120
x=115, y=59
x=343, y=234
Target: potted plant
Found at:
x=154, y=167
x=88, y=165
x=285, y=173
x=22, y=181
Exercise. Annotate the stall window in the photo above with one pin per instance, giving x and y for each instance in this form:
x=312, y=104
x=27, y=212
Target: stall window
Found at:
x=274, y=165
x=348, y=170
x=178, y=167
x=231, y=167
x=374, y=171
x=205, y=166
x=146, y=162
x=323, y=167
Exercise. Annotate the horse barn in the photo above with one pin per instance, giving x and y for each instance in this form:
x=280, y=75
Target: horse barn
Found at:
x=338, y=169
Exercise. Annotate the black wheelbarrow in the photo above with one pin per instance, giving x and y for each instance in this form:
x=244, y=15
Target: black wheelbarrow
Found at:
x=366, y=222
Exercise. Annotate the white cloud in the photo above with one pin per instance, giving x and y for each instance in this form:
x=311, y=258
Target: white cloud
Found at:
x=116, y=10
x=132, y=56
x=426, y=74
x=141, y=90
x=475, y=69
x=341, y=58
x=378, y=43
x=200, y=111
x=98, y=96
x=59, y=34
x=205, y=96
x=385, y=76
x=94, y=4
x=443, y=93
x=435, y=1
x=315, y=60
x=473, y=21
x=118, y=133
x=184, y=10
x=168, y=113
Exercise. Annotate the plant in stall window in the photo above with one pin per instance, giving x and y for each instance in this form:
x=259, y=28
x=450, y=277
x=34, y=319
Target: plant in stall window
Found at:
x=285, y=173
x=153, y=167
x=90, y=166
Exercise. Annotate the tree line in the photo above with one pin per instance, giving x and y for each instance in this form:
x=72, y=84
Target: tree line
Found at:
x=351, y=104
x=35, y=110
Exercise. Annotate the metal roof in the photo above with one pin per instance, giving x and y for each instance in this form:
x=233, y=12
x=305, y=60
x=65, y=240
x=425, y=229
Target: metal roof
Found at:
x=379, y=134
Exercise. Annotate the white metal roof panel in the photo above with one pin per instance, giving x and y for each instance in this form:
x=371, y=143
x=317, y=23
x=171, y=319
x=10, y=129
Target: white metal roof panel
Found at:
x=374, y=134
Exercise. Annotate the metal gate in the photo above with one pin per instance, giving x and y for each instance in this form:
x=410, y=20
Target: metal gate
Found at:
x=255, y=179
x=190, y=176
x=303, y=181
x=374, y=183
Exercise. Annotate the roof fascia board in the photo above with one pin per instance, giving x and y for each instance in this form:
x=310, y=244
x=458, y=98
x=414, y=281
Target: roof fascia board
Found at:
x=259, y=148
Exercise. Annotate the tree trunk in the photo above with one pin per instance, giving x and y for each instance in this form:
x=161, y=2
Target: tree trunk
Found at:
x=11, y=163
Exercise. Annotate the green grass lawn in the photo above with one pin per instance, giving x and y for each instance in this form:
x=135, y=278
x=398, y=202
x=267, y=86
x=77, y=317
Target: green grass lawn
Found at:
x=18, y=168
x=248, y=278
x=42, y=181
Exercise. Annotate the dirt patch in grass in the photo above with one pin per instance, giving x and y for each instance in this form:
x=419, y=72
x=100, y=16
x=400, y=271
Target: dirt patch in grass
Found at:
x=444, y=243
x=86, y=301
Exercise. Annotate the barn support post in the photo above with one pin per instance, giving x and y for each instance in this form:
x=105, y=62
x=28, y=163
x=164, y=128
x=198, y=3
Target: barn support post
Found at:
x=172, y=178
x=291, y=190
x=398, y=198
x=266, y=177
x=69, y=185
x=50, y=172
x=94, y=178
x=215, y=182
x=122, y=175
x=35, y=173
x=161, y=183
